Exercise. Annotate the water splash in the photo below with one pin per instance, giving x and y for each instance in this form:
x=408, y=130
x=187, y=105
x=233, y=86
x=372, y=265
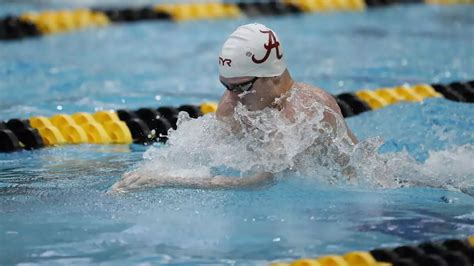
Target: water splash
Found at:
x=267, y=141
x=451, y=168
x=303, y=145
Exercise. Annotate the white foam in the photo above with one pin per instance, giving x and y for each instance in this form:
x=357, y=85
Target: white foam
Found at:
x=451, y=168
x=269, y=142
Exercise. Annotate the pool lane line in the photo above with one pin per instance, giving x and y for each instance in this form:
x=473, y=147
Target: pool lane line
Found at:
x=33, y=24
x=142, y=126
x=435, y=253
x=364, y=100
x=149, y=125
x=354, y=103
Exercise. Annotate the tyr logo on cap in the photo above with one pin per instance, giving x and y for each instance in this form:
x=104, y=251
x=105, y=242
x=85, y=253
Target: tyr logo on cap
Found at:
x=272, y=43
x=224, y=61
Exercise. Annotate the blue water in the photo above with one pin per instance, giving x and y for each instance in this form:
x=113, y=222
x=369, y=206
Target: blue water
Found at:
x=52, y=204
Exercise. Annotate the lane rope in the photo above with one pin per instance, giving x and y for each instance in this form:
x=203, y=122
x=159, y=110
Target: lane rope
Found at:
x=34, y=24
x=148, y=125
x=438, y=253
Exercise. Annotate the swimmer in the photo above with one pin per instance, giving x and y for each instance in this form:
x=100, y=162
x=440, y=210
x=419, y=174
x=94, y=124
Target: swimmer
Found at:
x=254, y=72
x=252, y=68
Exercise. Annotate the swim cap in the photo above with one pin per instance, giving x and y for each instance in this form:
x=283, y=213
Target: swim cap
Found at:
x=252, y=50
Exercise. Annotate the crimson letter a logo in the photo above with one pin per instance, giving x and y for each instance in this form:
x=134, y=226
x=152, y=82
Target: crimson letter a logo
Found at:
x=272, y=43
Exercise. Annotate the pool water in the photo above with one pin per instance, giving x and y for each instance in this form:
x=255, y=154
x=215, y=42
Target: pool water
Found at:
x=53, y=207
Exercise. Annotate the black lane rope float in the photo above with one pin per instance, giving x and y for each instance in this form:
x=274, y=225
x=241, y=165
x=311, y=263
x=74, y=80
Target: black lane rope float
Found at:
x=451, y=252
x=148, y=125
x=33, y=24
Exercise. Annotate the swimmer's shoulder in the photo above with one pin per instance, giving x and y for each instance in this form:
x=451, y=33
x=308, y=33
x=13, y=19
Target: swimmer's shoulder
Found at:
x=311, y=91
x=316, y=93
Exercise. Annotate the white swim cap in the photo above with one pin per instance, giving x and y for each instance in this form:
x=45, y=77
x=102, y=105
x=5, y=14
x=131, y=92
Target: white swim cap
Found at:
x=252, y=50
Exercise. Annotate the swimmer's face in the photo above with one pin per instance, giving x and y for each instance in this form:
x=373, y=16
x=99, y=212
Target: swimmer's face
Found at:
x=255, y=93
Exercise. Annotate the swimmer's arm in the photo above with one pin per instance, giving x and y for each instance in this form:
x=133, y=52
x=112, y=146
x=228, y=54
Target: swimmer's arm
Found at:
x=330, y=117
x=233, y=182
x=133, y=181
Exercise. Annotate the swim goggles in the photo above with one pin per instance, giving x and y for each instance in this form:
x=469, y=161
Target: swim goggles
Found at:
x=242, y=87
